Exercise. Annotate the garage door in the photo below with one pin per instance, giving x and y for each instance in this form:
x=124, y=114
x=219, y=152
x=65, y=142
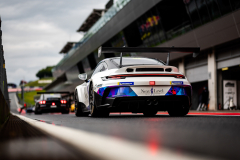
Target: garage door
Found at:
x=197, y=74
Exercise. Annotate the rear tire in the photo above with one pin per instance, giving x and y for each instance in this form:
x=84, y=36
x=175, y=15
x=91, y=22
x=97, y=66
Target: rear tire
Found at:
x=178, y=113
x=37, y=110
x=37, y=113
x=150, y=113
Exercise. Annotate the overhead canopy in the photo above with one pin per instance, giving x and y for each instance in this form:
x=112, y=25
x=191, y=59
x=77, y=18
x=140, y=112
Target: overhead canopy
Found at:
x=91, y=20
x=67, y=47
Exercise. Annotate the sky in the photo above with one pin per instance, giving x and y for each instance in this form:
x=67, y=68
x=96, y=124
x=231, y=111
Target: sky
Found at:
x=34, y=32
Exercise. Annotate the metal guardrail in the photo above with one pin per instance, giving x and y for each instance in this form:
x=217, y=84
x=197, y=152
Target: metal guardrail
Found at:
x=4, y=97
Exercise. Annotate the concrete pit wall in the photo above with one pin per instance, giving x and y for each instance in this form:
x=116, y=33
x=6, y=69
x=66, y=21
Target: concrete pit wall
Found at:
x=4, y=97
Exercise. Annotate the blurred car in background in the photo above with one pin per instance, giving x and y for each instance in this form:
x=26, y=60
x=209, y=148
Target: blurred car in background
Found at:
x=52, y=102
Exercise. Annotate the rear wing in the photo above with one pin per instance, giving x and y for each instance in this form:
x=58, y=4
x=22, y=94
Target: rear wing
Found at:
x=194, y=50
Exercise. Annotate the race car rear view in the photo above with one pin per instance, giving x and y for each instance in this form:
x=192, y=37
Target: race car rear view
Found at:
x=135, y=84
x=52, y=102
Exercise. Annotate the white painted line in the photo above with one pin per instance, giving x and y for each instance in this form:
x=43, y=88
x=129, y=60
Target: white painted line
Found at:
x=106, y=147
x=14, y=101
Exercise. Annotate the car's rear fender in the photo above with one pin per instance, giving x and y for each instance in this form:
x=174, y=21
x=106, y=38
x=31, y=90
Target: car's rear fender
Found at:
x=83, y=94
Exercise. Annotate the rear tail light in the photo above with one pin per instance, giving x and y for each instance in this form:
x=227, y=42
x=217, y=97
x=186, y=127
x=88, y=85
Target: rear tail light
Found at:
x=42, y=102
x=63, y=101
x=152, y=83
x=113, y=78
x=53, y=104
x=180, y=76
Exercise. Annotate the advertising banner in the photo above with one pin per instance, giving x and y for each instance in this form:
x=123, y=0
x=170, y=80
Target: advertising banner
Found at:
x=229, y=93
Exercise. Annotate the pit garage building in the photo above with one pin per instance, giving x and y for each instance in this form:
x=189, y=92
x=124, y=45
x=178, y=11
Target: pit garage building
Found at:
x=213, y=25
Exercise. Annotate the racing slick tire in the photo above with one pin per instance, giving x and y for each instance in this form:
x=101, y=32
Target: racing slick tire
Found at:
x=37, y=110
x=94, y=112
x=178, y=113
x=149, y=113
x=78, y=107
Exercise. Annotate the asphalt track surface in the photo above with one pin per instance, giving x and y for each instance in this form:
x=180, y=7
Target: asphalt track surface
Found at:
x=216, y=136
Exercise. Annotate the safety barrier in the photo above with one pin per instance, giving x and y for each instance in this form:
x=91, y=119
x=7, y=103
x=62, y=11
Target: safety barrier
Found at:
x=4, y=109
x=4, y=97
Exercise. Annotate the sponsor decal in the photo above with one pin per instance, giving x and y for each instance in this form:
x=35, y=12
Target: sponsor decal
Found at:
x=126, y=83
x=176, y=82
x=152, y=91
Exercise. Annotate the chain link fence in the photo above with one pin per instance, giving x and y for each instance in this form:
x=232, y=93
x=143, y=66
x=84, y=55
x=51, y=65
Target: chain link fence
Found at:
x=4, y=97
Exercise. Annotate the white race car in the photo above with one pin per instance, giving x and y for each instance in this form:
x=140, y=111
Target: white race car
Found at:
x=134, y=84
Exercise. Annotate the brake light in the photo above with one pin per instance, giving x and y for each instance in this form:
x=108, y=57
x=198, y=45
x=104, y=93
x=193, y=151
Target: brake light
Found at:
x=63, y=101
x=53, y=104
x=42, y=102
x=152, y=83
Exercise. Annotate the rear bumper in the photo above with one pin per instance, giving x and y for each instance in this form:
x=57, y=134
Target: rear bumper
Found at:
x=52, y=110
x=145, y=103
x=137, y=99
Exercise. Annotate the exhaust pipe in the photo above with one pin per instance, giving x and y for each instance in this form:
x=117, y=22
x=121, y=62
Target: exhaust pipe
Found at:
x=155, y=102
x=149, y=102
x=152, y=102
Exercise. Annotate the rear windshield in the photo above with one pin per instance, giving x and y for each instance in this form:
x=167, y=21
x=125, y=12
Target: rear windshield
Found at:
x=137, y=61
x=50, y=96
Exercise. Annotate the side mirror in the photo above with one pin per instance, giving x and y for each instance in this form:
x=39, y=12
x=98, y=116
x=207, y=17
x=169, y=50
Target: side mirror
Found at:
x=83, y=76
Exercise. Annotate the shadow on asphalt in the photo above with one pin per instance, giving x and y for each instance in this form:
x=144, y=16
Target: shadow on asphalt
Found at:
x=141, y=116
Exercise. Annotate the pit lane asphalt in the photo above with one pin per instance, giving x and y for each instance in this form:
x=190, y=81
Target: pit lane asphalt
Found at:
x=214, y=136
x=217, y=136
